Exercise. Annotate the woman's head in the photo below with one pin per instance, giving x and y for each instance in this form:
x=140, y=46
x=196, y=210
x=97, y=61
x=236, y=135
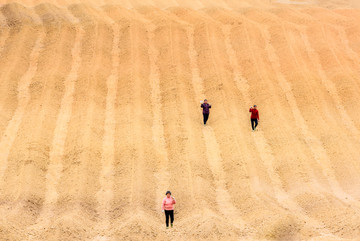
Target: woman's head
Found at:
x=205, y=101
x=168, y=194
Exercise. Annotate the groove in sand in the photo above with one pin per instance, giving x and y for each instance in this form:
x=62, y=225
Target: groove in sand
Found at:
x=158, y=125
x=105, y=194
x=55, y=167
x=23, y=98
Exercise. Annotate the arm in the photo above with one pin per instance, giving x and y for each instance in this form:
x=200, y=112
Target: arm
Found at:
x=202, y=106
x=250, y=109
x=163, y=204
x=258, y=116
x=174, y=201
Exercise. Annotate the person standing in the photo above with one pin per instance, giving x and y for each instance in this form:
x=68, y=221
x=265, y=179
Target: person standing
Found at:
x=254, y=117
x=206, y=110
x=168, y=208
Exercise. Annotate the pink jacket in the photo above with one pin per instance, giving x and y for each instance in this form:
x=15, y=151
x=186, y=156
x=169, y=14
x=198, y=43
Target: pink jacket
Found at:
x=168, y=203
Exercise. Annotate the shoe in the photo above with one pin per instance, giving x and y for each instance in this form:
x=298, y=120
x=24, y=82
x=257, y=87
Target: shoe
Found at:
x=172, y=225
x=167, y=227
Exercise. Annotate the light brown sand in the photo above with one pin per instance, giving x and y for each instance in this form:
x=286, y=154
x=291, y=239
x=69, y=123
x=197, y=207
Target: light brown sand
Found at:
x=100, y=115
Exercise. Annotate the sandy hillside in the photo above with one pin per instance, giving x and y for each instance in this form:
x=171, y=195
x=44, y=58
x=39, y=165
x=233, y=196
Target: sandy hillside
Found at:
x=100, y=115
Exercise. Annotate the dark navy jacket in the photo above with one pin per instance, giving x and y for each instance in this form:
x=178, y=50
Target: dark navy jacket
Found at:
x=206, y=108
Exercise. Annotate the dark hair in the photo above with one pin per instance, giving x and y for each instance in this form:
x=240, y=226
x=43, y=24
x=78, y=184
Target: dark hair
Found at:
x=168, y=192
x=205, y=100
x=254, y=105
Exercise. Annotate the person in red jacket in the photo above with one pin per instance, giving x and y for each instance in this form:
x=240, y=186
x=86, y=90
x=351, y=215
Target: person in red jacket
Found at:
x=254, y=117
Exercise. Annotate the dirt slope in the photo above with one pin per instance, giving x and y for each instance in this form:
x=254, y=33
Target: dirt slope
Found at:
x=100, y=115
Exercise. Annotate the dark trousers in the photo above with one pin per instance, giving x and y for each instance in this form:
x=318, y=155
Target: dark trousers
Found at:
x=169, y=213
x=254, y=123
x=206, y=117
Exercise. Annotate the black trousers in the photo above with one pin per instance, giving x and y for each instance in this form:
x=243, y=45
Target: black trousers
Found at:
x=169, y=213
x=206, y=117
x=254, y=123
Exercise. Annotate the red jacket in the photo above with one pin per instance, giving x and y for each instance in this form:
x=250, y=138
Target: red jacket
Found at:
x=254, y=113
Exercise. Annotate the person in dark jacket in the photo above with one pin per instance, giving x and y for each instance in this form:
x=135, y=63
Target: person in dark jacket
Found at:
x=254, y=117
x=206, y=110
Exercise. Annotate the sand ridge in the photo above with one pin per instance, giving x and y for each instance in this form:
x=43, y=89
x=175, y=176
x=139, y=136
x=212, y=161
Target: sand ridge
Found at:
x=100, y=115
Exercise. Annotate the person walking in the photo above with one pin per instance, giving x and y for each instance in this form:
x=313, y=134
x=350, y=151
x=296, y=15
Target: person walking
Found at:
x=254, y=117
x=206, y=110
x=168, y=208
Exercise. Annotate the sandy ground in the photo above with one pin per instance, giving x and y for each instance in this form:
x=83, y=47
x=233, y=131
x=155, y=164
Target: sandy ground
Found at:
x=100, y=115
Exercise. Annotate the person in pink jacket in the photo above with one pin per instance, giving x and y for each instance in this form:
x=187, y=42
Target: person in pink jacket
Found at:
x=167, y=206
